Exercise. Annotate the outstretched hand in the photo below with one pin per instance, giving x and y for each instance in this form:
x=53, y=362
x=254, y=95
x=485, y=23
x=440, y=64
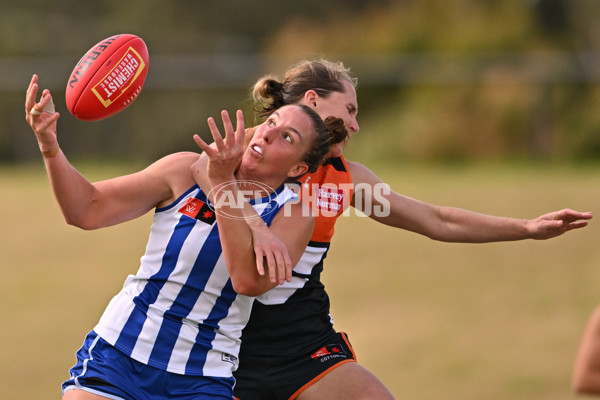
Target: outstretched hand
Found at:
x=42, y=118
x=558, y=222
x=225, y=155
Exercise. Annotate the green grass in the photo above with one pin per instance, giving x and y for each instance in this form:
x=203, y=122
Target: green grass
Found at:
x=432, y=320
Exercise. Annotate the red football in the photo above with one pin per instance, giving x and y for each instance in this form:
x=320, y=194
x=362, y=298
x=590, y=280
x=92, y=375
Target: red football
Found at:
x=108, y=78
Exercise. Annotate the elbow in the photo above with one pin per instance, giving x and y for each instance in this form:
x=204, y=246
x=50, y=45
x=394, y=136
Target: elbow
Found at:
x=247, y=286
x=75, y=222
x=80, y=223
x=250, y=290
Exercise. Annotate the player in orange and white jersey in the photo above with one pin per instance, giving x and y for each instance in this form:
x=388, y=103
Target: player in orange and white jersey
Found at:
x=290, y=349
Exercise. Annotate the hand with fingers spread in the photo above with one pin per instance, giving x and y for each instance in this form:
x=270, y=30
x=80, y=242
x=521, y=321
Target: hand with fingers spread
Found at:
x=42, y=118
x=224, y=155
x=272, y=255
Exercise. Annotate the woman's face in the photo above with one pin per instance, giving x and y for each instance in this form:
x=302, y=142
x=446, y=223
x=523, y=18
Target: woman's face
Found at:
x=279, y=144
x=341, y=105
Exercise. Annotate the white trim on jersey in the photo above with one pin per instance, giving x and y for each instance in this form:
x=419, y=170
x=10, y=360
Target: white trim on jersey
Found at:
x=281, y=293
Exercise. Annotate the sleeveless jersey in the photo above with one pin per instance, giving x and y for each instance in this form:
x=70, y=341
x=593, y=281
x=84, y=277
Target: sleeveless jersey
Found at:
x=179, y=313
x=293, y=317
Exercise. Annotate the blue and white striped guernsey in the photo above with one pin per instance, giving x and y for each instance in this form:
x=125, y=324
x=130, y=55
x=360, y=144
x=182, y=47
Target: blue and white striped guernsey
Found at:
x=179, y=312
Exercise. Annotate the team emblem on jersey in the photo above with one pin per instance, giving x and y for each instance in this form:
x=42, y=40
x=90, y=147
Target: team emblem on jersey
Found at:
x=228, y=358
x=330, y=351
x=199, y=210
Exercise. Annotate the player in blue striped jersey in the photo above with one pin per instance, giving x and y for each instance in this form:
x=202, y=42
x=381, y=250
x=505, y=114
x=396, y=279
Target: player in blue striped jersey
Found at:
x=174, y=329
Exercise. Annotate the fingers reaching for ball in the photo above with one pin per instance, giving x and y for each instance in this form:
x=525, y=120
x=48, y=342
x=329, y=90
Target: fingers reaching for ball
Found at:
x=42, y=118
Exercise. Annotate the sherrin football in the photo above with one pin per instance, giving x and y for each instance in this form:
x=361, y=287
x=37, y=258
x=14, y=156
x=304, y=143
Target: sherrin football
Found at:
x=108, y=78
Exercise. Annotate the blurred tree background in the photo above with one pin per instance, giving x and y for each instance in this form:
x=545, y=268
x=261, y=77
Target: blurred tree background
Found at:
x=438, y=80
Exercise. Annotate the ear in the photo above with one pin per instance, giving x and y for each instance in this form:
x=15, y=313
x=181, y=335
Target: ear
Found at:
x=297, y=170
x=310, y=98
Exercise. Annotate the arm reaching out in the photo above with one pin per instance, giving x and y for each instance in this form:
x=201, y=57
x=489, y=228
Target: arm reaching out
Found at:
x=235, y=221
x=268, y=248
x=95, y=205
x=449, y=224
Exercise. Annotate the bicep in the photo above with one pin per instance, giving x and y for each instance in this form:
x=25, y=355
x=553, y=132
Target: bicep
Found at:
x=130, y=196
x=127, y=197
x=377, y=200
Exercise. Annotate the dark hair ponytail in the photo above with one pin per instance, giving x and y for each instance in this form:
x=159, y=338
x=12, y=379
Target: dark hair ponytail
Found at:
x=328, y=132
x=337, y=130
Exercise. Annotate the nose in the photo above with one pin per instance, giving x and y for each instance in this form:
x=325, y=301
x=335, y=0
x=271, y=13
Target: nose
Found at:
x=268, y=135
x=353, y=126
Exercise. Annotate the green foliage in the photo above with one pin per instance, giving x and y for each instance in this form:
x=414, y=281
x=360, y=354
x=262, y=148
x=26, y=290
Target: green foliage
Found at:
x=438, y=80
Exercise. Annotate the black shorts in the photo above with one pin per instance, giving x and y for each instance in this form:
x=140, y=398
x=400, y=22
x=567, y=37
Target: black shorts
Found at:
x=282, y=378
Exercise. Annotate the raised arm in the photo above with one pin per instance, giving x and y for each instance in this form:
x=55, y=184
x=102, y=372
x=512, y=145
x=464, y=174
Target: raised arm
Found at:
x=272, y=255
x=94, y=205
x=449, y=224
x=237, y=219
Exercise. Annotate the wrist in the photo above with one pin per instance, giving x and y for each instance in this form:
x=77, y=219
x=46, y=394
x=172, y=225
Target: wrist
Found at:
x=256, y=224
x=218, y=181
x=51, y=153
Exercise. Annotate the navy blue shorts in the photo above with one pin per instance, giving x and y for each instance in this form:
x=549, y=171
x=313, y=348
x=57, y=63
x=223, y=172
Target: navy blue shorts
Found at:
x=103, y=370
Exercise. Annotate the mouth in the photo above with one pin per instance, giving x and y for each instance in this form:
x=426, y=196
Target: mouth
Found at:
x=257, y=149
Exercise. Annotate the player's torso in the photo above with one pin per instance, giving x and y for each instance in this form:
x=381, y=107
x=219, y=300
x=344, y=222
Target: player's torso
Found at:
x=180, y=312
x=290, y=316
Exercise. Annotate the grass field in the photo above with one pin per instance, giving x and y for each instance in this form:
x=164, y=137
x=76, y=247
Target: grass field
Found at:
x=432, y=320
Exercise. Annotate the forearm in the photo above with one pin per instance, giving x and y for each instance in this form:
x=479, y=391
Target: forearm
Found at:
x=236, y=236
x=73, y=192
x=449, y=224
x=458, y=225
x=453, y=224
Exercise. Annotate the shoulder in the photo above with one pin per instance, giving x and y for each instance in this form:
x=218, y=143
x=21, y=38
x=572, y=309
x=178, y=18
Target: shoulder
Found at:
x=177, y=160
x=174, y=163
x=354, y=166
x=174, y=168
x=361, y=174
x=174, y=171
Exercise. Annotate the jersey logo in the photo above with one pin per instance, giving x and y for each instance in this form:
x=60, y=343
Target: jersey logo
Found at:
x=228, y=358
x=199, y=210
x=330, y=199
x=329, y=351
